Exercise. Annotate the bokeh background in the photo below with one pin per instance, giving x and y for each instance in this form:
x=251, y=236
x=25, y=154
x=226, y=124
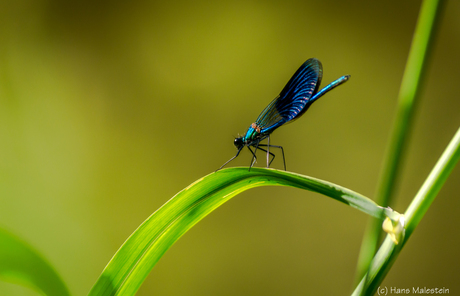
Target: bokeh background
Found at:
x=109, y=108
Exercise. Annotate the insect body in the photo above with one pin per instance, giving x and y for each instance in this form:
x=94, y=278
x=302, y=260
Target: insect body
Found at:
x=295, y=98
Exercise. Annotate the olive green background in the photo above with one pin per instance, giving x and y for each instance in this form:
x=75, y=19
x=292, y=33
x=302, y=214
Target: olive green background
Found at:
x=109, y=108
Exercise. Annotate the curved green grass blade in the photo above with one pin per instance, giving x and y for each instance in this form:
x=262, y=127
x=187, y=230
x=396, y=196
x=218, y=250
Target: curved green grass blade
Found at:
x=21, y=264
x=132, y=263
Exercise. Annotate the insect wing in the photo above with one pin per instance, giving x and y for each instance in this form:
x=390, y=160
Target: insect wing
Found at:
x=294, y=98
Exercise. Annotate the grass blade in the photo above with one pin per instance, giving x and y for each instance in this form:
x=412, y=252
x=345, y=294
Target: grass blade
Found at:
x=21, y=264
x=408, y=95
x=388, y=252
x=132, y=263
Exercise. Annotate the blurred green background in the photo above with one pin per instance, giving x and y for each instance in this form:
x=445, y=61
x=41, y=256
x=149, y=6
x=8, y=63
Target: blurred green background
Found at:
x=109, y=108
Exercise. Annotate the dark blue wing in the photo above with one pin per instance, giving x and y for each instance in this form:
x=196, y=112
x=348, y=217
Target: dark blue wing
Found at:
x=294, y=99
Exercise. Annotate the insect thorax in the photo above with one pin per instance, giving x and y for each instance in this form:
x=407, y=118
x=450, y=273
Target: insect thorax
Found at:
x=253, y=134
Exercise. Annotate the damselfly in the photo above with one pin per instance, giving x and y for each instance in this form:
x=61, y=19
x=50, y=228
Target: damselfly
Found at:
x=295, y=98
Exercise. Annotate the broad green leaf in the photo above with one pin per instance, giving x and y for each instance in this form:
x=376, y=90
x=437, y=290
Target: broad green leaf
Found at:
x=21, y=264
x=132, y=263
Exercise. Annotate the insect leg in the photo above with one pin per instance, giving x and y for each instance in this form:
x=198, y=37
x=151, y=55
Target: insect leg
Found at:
x=254, y=157
x=282, y=151
x=268, y=152
x=239, y=150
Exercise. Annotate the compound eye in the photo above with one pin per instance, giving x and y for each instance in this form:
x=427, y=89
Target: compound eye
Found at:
x=238, y=142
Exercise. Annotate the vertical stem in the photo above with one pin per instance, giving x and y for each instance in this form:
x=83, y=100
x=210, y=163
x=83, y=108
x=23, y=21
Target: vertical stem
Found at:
x=432, y=185
x=408, y=95
x=388, y=252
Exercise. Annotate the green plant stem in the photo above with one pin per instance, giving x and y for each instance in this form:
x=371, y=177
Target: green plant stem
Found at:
x=408, y=95
x=432, y=185
x=388, y=252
